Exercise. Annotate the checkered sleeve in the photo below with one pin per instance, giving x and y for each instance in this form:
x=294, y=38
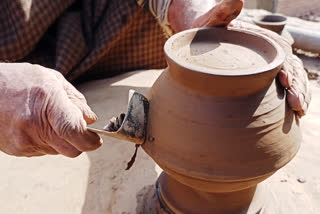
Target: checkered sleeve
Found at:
x=23, y=23
x=78, y=37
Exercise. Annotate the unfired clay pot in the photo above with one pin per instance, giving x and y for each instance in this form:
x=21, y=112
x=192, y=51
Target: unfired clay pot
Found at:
x=273, y=22
x=218, y=122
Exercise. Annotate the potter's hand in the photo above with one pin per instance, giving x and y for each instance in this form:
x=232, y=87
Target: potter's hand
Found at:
x=292, y=76
x=185, y=14
x=41, y=113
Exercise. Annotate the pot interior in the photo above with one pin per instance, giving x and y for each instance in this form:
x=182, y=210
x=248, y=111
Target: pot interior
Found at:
x=224, y=51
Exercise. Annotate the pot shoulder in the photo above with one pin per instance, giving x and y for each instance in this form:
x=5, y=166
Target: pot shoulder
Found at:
x=220, y=137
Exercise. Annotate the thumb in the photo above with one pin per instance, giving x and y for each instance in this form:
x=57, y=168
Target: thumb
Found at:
x=67, y=121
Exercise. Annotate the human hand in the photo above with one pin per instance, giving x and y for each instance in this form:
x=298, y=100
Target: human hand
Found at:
x=41, y=113
x=185, y=14
x=292, y=76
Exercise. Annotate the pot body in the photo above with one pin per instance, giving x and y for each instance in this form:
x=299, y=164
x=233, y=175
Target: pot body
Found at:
x=272, y=22
x=219, y=133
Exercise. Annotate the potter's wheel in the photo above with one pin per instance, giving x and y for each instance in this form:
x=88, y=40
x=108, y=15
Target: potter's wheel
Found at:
x=224, y=51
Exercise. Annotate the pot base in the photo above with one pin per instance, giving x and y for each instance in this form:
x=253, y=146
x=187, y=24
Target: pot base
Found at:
x=176, y=198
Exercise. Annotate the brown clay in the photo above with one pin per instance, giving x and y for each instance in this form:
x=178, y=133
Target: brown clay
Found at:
x=218, y=121
x=273, y=22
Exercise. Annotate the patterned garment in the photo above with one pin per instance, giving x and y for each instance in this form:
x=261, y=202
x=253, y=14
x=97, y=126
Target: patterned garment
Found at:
x=94, y=37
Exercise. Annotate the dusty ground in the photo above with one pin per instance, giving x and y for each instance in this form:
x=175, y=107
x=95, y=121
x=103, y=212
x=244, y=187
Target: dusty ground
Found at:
x=299, y=8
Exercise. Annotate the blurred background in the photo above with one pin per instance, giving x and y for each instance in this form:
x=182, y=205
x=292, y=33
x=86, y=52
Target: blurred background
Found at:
x=308, y=10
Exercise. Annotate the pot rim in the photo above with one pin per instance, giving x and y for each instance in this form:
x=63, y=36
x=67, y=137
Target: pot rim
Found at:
x=275, y=63
x=258, y=20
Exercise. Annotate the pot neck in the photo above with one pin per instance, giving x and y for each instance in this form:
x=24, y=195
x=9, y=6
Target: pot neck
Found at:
x=219, y=85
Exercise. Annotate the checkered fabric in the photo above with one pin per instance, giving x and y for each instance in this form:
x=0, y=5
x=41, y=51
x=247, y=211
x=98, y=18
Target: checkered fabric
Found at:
x=94, y=37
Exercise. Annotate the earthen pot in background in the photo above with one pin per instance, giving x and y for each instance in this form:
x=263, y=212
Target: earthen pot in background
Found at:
x=218, y=120
x=273, y=22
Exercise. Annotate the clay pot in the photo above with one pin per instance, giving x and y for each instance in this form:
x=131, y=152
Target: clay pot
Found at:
x=218, y=120
x=273, y=22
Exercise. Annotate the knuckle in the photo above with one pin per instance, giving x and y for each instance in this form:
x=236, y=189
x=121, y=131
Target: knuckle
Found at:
x=67, y=130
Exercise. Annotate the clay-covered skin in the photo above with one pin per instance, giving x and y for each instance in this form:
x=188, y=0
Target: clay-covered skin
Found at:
x=42, y=113
x=210, y=13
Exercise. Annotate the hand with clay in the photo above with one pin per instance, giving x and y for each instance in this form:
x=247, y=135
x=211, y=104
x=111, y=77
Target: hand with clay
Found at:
x=210, y=13
x=41, y=113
